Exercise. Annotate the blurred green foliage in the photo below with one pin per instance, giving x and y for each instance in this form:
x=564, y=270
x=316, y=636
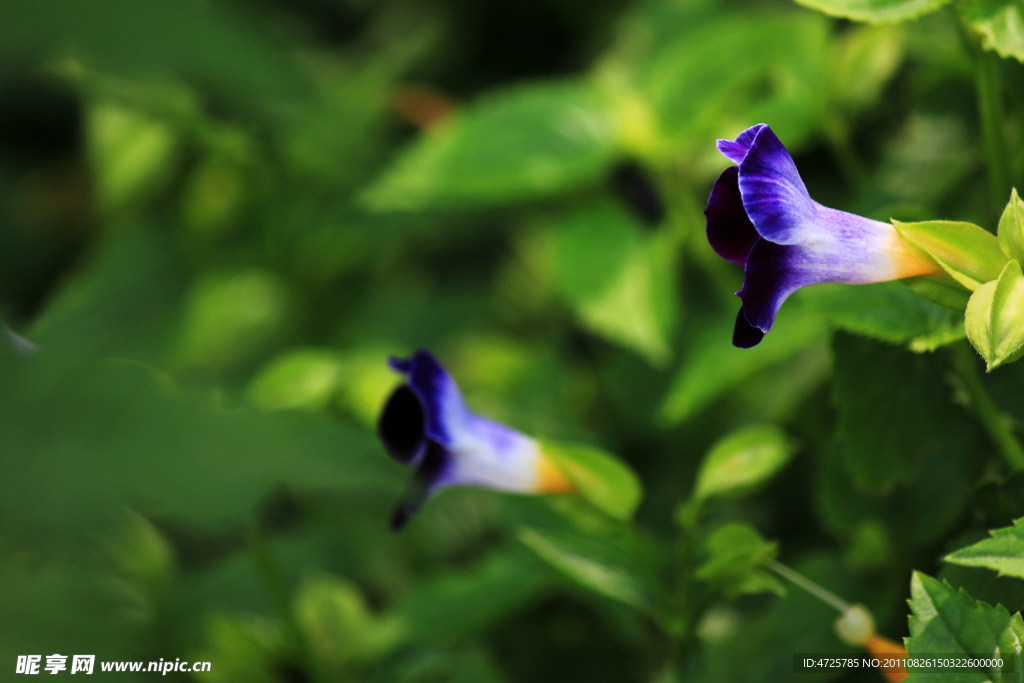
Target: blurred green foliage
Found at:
x=218, y=219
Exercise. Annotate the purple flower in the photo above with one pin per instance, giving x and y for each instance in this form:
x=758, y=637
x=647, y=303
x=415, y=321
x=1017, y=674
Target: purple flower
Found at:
x=426, y=425
x=760, y=216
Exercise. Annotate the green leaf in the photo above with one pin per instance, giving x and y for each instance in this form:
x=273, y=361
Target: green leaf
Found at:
x=768, y=637
x=532, y=141
x=713, y=365
x=229, y=317
x=304, y=379
x=916, y=513
x=130, y=153
x=995, y=317
x=225, y=49
x=460, y=604
x=893, y=410
x=339, y=626
x=774, y=72
x=601, y=478
x=739, y=462
x=620, y=283
x=887, y=311
x=866, y=57
x=737, y=563
x=594, y=566
x=939, y=289
x=949, y=622
x=1000, y=23
x=971, y=255
x=1011, y=228
x=1003, y=553
x=875, y=11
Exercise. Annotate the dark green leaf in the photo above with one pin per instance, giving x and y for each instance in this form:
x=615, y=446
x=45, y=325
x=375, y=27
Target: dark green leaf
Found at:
x=458, y=605
x=894, y=410
x=886, y=311
x=714, y=366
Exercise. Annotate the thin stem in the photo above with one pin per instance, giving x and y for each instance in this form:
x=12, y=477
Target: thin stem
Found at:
x=988, y=78
x=995, y=424
x=826, y=596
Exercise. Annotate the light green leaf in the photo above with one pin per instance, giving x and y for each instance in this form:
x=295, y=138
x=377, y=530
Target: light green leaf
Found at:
x=599, y=477
x=339, y=626
x=619, y=282
x=737, y=563
x=995, y=317
x=971, y=255
x=305, y=379
x=229, y=317
x=886, y=311
x=738, y=462
x=1003, y=553
x=1011, y=228
x=532, y=141
x=949, y=622
x=366, y=384
x=694, y=98
x=713, y=366
x=875, y=11
x=593, y=566
x=247, y=649
x=130, y=153
x=1000, y=23
x=866, y=58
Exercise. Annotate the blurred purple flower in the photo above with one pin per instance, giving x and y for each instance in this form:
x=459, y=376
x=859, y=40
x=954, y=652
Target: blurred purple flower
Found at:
x=760, y=216
x=426, y=425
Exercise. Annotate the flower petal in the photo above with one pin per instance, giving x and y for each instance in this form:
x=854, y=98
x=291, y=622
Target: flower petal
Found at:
x=493, y=455
x=435, y=462
x=842, y=247
x=401, y=426
x=773, y=272
x=745, y=335
x=425, y=424
x=729, y=230
x=773, y=194
x=445, y=411
x=735, y=151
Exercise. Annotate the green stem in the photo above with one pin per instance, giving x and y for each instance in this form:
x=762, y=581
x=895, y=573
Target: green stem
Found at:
x=993, y=129
x=826, y=596
x=995, y=424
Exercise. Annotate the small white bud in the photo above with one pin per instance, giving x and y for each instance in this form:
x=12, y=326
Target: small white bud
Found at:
x=856, y=626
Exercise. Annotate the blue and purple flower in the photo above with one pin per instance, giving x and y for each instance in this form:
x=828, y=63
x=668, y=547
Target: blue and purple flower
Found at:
x=426, y=425
x=760, y=216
